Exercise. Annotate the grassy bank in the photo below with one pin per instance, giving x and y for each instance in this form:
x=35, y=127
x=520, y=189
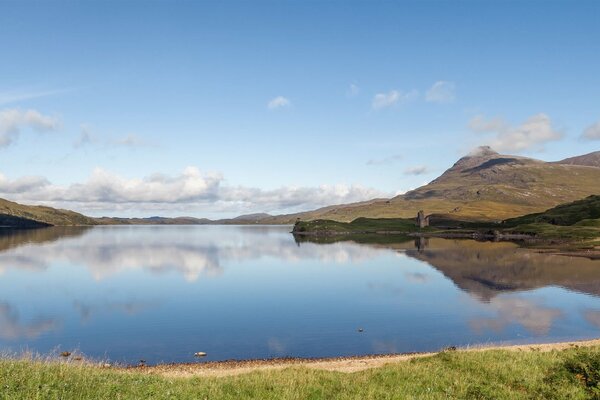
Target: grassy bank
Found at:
x=500, y=374
x=571, y=226
x=358, y=226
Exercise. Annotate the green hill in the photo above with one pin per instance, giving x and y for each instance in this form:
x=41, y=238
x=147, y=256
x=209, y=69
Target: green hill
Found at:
x=20, y=215
x=586, y=212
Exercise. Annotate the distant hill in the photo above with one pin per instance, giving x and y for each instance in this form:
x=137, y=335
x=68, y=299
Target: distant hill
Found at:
x=252, y=217
x=483, y=185
x=17, y=215
x=152, y=221
x=589, y=160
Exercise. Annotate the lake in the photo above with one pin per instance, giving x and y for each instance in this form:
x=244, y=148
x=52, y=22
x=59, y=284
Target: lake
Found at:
x=162, y=293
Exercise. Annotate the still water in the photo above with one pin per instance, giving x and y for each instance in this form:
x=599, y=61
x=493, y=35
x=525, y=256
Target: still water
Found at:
x=162, y=293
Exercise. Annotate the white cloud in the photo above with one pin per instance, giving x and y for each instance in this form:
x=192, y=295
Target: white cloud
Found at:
x=441, y=92
x=22, y=185
x=12, y=121
x=190, y=190
x=479, y=124
x=592, y=132
x=417, y=170
x=383, y=100
x=534, y=317
x=278, y=102
x=532, y=134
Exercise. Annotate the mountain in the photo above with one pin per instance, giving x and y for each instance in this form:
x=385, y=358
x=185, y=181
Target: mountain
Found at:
x=252, y=217
x=589, y=160
x=483, y=185
x=19, y=215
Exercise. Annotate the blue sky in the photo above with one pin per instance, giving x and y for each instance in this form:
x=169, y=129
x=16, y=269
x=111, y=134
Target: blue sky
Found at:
x=222, y=108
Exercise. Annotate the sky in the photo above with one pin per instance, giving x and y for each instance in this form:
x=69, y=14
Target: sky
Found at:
x=215, y=109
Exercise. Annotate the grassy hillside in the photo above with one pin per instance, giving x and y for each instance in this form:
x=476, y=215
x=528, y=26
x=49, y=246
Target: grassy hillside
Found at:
x=46, y=215
x=498, y=374
x=480, y=186
x=586, y=212
x=576, y=224
x=578, y=220
x=591, y=160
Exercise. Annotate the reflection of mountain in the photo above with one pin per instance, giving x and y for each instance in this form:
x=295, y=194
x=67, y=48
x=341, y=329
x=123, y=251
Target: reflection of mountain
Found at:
x=486, y=269
x=10, y=238
x=188, y=251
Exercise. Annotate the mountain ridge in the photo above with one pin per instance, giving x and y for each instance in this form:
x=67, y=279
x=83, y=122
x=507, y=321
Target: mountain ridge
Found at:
x=482, y=185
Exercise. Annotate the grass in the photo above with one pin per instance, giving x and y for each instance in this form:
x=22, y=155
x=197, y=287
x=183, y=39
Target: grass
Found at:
x=494, y=374
x=577, y=222
x=45, y=215
x=565, y=214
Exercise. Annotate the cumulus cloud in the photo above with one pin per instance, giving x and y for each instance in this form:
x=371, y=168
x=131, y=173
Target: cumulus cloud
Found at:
x=383, y=100
x=12, y=121
x=534, y=317
x=416, y=170
x=22, y=185
x=385, y=161
x=190, y=190
x=592, y=132
x=441, y=92
x=532, y=134
x=278, y=102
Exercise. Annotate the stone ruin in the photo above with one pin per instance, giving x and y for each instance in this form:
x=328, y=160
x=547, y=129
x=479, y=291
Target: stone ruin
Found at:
x=422, y=220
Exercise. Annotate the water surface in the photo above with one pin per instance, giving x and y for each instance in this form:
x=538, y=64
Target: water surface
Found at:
x=162, y=293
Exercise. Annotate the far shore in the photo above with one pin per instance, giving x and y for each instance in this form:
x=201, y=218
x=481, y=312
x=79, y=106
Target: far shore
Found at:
x=338, y=364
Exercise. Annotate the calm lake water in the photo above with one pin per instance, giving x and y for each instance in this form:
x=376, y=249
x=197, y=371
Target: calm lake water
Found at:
x=162, y=293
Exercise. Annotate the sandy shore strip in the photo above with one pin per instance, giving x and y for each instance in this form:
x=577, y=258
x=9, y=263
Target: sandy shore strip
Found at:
x=341, y=364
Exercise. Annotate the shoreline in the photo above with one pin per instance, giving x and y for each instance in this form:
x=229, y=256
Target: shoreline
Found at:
x=348, y=364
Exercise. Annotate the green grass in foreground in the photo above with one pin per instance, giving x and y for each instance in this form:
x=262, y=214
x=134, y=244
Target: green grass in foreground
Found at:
x=568, y=374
